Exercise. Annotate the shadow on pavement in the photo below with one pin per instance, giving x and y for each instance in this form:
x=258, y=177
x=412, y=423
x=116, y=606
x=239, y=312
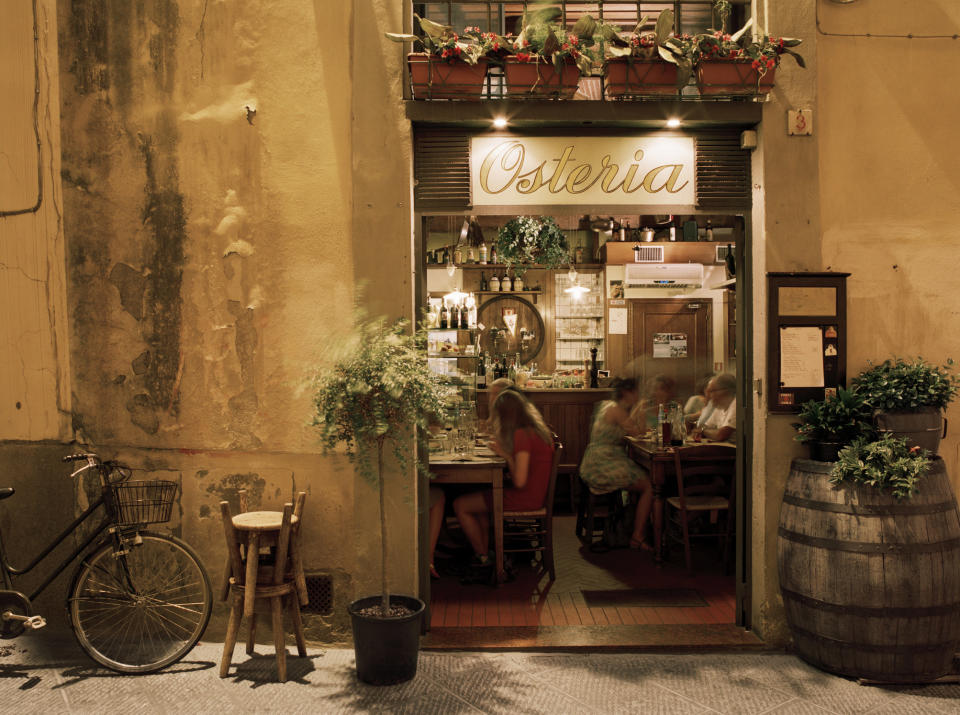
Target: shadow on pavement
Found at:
x=262, y=669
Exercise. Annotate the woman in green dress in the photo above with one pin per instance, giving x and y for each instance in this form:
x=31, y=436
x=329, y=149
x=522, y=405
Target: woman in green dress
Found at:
x=606, y=467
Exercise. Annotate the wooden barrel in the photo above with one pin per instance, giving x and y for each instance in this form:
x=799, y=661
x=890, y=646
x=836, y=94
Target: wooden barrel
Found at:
x=871, y=586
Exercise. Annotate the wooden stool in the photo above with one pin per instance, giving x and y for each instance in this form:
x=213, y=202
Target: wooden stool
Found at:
x=254, y=530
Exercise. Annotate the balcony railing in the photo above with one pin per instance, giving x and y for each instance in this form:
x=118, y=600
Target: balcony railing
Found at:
x=504, y=18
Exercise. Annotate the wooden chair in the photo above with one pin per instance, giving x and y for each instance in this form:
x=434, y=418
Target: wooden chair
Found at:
x=695, y=462
x=276, y=582
x=535, y=527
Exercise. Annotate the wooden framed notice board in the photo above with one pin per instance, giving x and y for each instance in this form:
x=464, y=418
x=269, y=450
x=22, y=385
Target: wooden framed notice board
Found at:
x=806, y=338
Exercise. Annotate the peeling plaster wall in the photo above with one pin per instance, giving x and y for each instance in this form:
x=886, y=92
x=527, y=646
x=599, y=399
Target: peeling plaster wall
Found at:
x=209, y=188
x=34, y=365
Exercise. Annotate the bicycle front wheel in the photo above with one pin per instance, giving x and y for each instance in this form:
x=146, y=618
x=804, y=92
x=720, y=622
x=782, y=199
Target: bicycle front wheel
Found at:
x=140, y=611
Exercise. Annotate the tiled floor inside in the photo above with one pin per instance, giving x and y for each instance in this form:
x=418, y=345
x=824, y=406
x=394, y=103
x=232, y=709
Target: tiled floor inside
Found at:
x=532, y=601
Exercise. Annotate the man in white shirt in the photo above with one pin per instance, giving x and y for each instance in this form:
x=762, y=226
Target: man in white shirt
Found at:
x=718, y=424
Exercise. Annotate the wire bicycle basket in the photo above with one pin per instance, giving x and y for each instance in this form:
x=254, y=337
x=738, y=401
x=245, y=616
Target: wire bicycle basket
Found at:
x=144, y=502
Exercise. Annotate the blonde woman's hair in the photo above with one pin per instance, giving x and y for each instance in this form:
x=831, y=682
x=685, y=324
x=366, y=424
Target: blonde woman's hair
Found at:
x=513, y=411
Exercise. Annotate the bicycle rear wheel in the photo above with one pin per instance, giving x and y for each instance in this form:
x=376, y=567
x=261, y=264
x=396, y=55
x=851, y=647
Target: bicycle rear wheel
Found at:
x=141, y=611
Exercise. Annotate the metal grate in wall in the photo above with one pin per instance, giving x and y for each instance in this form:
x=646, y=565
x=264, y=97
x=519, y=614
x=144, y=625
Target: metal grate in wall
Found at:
x=650, y=254
x=723, y=173
x=320, y=594
x=722, y=252
x=441, y=170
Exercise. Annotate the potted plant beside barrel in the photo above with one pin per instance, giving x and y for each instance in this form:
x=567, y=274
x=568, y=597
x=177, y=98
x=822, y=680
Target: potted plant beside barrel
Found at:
x=646, y=62
x=828, y=425
x=450, y=65
x=868, y=551
x=908, y=398
x=374, y=392
x=547, y=61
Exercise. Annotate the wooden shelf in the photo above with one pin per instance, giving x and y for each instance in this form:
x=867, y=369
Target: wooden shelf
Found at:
x=533, y=267
x=508, y=292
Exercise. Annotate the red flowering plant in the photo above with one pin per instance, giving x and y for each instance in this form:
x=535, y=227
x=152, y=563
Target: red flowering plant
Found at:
x=648, y=44
x=763, y=52
x=541, y=40
x=451, y=46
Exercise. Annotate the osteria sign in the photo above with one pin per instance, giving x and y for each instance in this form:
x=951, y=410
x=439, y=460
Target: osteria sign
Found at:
x=581, y=170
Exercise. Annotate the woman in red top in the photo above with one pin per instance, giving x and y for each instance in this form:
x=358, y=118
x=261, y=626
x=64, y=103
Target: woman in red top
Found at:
x=525, y=442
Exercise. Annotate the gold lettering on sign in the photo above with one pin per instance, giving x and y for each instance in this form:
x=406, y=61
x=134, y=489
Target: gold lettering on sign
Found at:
x=503, y=167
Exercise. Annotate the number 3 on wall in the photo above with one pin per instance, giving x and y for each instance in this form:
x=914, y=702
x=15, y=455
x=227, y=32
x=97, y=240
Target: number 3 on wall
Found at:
x=800, y=122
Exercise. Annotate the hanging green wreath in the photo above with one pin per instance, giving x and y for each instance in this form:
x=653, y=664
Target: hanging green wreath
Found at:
x=532, y=240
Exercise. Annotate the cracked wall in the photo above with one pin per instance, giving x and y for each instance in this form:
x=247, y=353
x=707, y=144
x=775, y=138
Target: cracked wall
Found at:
x=34, y=361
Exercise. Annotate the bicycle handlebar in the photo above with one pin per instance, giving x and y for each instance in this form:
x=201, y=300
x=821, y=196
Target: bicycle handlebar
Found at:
x=78, y=457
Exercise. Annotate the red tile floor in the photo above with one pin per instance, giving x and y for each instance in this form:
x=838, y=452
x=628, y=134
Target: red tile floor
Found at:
x=531, y=600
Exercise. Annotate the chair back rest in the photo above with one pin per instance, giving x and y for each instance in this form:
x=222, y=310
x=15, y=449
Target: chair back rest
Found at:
x=554, y=468
x=709, y=459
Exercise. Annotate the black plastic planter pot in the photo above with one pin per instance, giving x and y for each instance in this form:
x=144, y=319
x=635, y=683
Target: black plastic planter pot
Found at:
x=386, y=649
x=825, y=451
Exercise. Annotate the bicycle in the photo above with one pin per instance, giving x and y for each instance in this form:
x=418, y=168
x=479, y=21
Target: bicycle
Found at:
x=139, y=600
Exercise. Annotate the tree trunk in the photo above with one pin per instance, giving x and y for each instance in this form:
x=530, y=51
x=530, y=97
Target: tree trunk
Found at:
x=385, y=589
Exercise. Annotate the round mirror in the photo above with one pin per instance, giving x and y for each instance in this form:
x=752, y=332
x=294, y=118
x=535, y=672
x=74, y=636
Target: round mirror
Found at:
x=512, y=325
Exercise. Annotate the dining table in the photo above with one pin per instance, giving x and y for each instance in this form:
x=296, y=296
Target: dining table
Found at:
x=658, y=460
x=483, y=468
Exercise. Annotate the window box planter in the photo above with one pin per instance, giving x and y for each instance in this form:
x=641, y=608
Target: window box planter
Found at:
x=538, y=78
x=434, y=78
x=732, y=77
x=628, y=76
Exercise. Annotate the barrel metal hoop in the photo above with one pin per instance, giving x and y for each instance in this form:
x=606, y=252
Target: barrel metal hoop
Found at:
x=870, y=611
x=862, y=547
x=869, y=509
x=876, y=647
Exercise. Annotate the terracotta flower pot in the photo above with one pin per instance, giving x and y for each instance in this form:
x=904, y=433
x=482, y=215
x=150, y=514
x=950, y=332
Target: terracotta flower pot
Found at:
x=540, y=79
x=631, y=76
x=732, y=77
x=435, y=78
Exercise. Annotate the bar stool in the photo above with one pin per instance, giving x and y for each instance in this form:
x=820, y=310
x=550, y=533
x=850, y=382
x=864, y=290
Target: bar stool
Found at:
x=594, y=507
x=245, y=534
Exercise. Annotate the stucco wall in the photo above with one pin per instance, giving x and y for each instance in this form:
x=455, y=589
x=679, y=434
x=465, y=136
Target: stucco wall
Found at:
x=34, y=364
x=213, y=247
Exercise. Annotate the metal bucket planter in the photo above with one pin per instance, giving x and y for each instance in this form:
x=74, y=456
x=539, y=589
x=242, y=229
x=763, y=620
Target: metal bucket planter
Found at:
x=627, y=76
x=386, y=649
x=923, y=427
x=538, y=78
x=869, y=583
x=732, y=77
x=434, y=78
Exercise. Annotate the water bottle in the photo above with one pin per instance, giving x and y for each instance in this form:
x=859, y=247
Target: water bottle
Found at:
x=663, y=427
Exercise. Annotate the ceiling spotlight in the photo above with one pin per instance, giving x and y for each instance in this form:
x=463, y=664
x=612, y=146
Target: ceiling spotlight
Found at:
x=500, y=122
x=673, y=123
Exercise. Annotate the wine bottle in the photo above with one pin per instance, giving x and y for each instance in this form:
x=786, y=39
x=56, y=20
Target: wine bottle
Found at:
x=464, y=318
x=483, y=279
x=454, y=317
x=481, y=373
x=493, y=255
x=483, y=253
x=444, y=317
x=709, y=230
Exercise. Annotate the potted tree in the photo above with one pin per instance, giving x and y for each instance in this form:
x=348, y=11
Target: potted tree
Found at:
x=739, y=64
x=546, y=60
x=829, y=425
x=450, y=65
x=908, y=398
x=375, y=390
x=526, y=240
x=646, y=62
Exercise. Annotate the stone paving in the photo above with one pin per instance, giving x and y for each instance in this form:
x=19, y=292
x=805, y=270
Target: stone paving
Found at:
x=39, y=675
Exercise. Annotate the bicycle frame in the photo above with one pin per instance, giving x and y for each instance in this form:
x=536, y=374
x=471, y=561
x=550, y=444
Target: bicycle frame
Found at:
x=9, y=571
